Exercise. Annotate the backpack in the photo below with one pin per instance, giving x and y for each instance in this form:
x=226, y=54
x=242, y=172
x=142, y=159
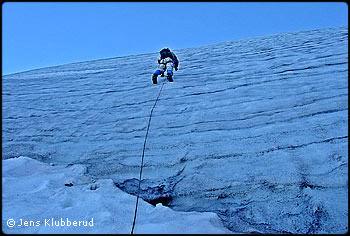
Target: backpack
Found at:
x=165, y=52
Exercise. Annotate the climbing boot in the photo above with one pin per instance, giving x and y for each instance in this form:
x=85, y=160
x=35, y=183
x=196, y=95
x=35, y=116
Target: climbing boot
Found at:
x=154, y=79
x=170, y=77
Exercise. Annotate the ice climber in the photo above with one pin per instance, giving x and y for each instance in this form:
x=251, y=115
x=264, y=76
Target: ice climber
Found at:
x=167, y=62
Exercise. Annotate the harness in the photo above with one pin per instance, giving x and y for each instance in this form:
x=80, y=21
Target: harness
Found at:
x=166, y=61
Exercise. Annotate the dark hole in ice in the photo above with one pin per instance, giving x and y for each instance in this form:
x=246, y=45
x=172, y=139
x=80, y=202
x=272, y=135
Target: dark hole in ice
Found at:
x=165, y=200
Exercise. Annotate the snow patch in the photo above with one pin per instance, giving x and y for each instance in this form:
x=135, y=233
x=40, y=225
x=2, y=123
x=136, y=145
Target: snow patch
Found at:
x=36, y=198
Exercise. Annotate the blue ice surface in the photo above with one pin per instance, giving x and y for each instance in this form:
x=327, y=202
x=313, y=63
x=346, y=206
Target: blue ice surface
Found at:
x=254, y=130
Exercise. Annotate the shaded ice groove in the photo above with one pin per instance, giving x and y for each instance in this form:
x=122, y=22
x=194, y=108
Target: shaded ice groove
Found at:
x=254, y=130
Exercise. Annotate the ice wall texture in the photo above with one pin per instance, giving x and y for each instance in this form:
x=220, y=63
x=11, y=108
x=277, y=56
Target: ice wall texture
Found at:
x=255, y=130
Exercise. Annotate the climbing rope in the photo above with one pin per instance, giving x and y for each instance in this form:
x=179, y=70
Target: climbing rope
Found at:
x=143, y=154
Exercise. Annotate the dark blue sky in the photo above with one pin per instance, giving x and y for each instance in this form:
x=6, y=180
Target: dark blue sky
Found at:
x=37, y=35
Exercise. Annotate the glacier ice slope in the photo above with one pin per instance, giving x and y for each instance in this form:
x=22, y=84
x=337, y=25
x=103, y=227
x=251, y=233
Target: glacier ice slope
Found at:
x=254, y=130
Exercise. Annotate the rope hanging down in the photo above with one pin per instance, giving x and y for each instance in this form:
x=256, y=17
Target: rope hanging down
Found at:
x=143, y=154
